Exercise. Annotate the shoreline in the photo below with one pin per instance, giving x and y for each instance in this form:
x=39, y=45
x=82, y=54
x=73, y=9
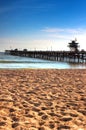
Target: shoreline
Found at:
x=43, y=99
x=33, y=68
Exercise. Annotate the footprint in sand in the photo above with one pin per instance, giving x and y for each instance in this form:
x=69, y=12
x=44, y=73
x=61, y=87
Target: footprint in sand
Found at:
x=51, y=125
x=14, y=118
x=63, y=127
x=41, y=123
x=44, y=117
x=44, y=108
x=73, y=115
x=65, y=119
x=41, y=128
x=37, y=104
x=41, y=113
x=11, y=110
x=2, y=123
x=29, y=115
x=83, y=112
x=35, y=109
x=14, y=125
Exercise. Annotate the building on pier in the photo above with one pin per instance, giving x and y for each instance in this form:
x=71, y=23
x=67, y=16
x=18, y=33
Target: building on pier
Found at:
x=73, y=46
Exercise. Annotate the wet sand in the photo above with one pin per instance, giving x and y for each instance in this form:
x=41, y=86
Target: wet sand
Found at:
x=43, y=99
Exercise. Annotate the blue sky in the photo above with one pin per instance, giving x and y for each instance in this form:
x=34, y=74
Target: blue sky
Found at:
x=42, y=24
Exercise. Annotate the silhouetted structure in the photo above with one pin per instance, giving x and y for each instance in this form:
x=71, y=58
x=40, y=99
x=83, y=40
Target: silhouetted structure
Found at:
x=73, y=46
x=74, y=55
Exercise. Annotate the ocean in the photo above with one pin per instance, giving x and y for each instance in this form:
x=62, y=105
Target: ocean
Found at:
x=16, y=62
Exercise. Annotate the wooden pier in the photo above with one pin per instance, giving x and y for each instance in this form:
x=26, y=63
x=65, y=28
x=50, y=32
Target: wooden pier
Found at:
x=73, y=56
x=64, y=56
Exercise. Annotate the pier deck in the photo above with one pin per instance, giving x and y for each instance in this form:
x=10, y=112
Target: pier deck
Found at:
x=65, y=56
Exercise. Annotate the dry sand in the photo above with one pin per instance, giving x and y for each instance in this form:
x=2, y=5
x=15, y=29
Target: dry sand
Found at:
x=42, y=99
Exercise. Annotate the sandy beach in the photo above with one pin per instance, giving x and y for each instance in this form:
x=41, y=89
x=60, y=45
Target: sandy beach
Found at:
x=42, y=99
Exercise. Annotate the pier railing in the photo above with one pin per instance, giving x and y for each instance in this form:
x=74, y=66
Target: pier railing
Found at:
x=67, y=56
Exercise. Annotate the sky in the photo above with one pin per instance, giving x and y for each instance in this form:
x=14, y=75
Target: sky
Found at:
x=42, y=24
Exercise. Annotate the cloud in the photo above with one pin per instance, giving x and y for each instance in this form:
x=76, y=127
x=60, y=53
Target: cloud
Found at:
x=52, y=30
x=59, y=36
x=65, y=35
x=63, y=30
x=58, y=41
x=75, y=31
